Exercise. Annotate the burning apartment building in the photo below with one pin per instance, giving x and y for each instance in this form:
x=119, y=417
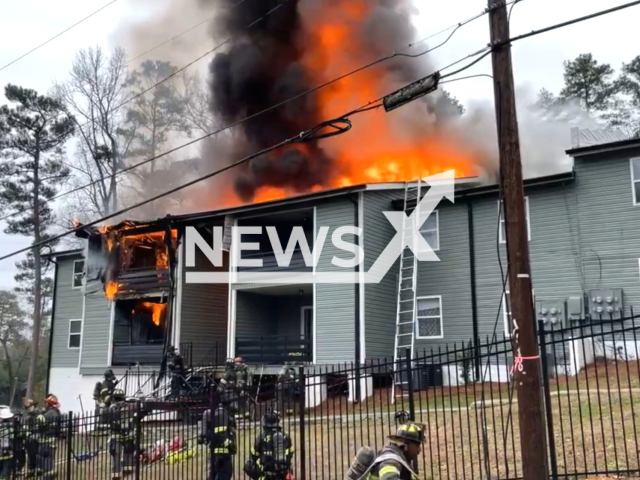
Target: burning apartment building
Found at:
x=125, y=297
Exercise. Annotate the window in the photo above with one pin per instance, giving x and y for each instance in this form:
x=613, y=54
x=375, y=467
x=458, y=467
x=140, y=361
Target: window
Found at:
x=75, y=333
x=78, y=274
x=506, y=312
x=635, y=180
x=429, y=317
x=503, y=236
x=430, y=230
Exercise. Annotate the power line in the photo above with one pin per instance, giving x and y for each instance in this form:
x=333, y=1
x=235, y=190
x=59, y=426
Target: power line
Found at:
x=569, y=22
x=217, y=47
x=368, y=106
x=266, y=110
x=485, y=49
x=61, y=33
x=301, y=138
x=467, y=77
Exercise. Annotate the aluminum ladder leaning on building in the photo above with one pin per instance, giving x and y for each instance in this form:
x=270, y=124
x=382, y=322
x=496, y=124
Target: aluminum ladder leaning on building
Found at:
x=407, y=279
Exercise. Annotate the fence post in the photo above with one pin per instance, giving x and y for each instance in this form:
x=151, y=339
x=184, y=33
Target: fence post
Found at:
x=138, y=420
x=547, y=399
x=303, y=448
x=412, y=406
x=69, y=442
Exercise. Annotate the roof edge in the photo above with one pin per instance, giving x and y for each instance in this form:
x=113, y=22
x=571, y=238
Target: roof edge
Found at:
x=603, y=147
x=63, y=253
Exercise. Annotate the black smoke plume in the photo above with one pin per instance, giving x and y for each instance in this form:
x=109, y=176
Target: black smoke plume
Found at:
x=263, y=67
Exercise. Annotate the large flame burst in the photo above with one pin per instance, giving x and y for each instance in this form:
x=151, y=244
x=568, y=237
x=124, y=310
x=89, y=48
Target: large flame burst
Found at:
x=381, y=147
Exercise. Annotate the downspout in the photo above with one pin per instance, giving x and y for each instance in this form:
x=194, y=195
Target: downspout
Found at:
x=474, y=298
x=358, y=346
x=53, y=310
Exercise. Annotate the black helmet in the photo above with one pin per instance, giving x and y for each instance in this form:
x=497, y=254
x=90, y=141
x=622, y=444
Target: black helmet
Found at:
x=409, y=432
x=171, y=349
x=271, y=419
x=108, y=374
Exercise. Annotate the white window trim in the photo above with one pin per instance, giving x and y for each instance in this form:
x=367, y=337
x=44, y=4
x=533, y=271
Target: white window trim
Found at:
x=437, y=230
x=69, y=333
x=429, y=297
x=502, y=220
x=507, y=327
x=633, y=181
x=73, y=275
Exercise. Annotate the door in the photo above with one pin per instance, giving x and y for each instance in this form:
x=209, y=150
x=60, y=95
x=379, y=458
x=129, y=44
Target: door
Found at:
x=306, y=327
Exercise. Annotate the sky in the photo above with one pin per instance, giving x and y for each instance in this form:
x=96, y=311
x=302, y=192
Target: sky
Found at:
x=537, y=61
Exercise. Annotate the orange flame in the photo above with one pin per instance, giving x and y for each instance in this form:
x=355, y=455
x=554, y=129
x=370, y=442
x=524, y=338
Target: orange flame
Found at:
x=381, y=147
x=158, y=310
x=111, y=290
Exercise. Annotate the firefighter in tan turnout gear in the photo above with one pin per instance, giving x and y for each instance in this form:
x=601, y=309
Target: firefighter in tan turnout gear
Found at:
x=47, y=434
x=394, y=461
x=122, y=447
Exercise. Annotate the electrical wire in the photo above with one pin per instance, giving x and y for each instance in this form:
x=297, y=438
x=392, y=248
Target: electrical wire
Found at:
x=56, y=36
x=180, y=34
x=249, y=117
x=466, y=78
x=245, y=119
x=511, y=10
x=182, y=69
x=303, y=137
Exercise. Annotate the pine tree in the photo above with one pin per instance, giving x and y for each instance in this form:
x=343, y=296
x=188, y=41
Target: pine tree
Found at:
x=629, y=84
x=32, y=136
x=590, y=82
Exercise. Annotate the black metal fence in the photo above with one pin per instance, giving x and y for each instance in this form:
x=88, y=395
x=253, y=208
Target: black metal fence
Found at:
x=461, y=393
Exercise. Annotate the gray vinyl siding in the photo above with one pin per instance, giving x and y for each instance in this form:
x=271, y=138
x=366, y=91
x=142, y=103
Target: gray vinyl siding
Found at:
x=203, y=314
x=552, y=252
x=255, y=315
x=450, y=278
x=68, y=306
x=335, y=303
x=97, y=325
x=380, y=299
x=609, y=225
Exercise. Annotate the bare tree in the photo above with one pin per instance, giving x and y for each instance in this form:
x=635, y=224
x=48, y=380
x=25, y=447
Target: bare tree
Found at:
x=93, y=94
x=14, y=346
x=194, y=96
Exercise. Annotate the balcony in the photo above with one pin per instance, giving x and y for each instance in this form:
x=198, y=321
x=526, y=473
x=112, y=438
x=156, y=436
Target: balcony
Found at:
x=132, y=353
x=140, y=281
x=274, y=349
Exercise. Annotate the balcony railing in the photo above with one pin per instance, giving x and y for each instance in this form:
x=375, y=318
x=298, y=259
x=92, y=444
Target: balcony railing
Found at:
x=131, y=353
x=274, y=349
x=142, y=280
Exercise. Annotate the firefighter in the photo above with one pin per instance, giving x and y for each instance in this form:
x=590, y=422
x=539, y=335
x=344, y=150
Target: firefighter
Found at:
x=8, y=447
x=175, y=366
x=218, y=432
x=47, y=431
x=29, y=425
x=242, y=386
x=394, y=461
x=286, y=389
x=103, y=390
x=122, y=446
x=272, y=452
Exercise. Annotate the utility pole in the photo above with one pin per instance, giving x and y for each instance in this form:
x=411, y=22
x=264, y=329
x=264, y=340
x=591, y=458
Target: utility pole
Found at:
x=525, y=346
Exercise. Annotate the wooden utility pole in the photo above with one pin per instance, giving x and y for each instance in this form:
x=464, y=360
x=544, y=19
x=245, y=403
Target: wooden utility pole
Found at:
x=525, y=346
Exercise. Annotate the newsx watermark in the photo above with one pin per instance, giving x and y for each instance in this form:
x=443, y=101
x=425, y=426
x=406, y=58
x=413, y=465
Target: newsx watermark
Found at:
x=338, y=270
